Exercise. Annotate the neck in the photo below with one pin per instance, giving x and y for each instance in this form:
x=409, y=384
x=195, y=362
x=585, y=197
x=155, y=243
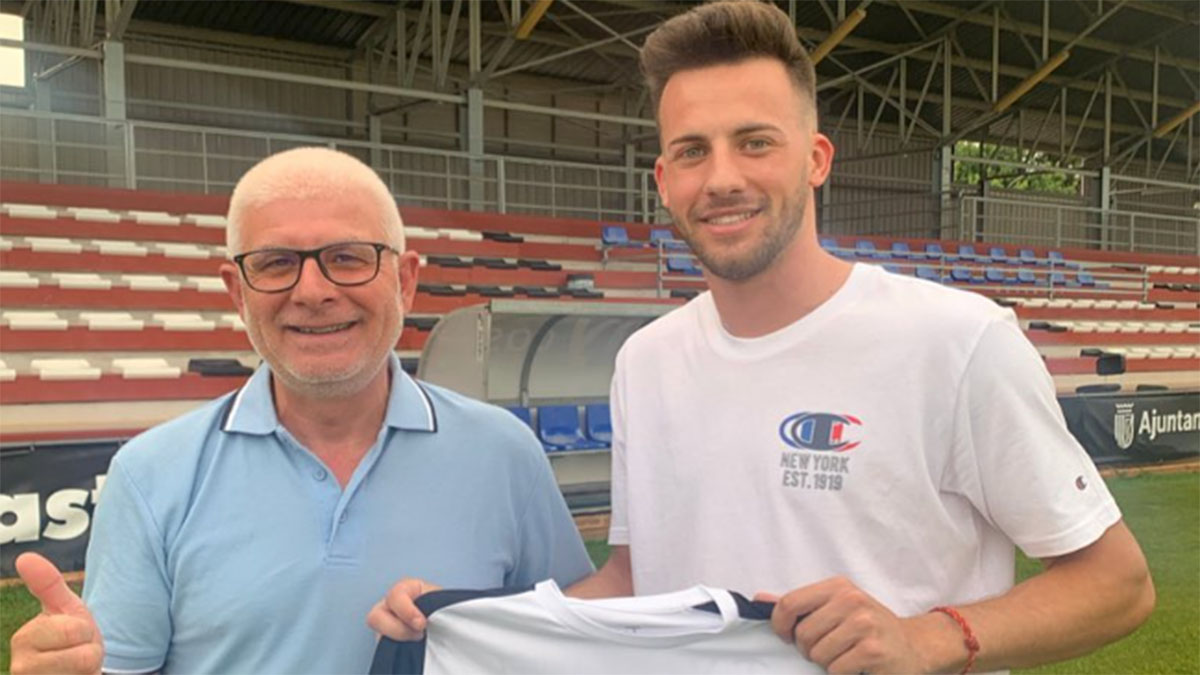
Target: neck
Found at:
x=802, y=278
x=339, y=430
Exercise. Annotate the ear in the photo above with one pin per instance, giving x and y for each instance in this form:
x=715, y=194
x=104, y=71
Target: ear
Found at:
x=660, y=168
x=821, y=160
x=408, y=264
x=232, y=278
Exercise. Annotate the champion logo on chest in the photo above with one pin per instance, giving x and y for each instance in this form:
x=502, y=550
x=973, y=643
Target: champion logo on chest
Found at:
x=820, y=431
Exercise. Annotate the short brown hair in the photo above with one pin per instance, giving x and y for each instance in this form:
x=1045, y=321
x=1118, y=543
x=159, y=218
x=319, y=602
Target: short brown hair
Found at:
x=721, y=33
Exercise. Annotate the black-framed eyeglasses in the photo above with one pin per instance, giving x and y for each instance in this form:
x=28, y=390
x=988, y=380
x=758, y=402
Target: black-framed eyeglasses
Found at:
x=275, y=270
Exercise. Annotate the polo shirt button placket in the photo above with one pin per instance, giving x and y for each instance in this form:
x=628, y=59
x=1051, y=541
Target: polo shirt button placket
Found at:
x=320, y=475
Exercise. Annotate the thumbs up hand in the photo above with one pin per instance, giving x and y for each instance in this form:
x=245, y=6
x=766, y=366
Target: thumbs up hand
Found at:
x=63, y=638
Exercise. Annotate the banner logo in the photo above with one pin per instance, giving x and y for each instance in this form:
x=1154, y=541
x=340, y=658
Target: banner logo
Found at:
x=1123, y=425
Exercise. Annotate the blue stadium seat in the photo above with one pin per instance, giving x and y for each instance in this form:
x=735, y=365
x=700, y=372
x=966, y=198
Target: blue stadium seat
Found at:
x=682, y=265
x=1086, y=279
x=894, y=269
x=935, y=252
x=995, y=275
x=998, y=254
x=962, y=275
x=829, y=244
x=614, y=235
x=1059, y=279
x=522, y=413
x=866, y=249
x=558, y=428
x=597, y=423
x=900, y=249
x=659, y=234
x=928, y=273
x=1057, y=259
x=1028, y=257
x=1026, y=277
x=967, y=252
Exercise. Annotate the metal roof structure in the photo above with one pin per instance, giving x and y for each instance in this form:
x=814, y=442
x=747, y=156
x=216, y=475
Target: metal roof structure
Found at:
x=1100, y=80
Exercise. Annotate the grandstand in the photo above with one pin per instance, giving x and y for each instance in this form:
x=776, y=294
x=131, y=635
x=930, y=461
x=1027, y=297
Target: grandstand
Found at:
x=520, y=152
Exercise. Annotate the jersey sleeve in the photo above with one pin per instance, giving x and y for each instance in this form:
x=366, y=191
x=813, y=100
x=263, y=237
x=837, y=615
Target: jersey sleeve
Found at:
x=550, y=545
x=127, y=587
x=1015, y=459
x=618, y=527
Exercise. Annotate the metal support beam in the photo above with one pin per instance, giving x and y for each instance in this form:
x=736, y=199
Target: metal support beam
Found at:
x=838, y=35
x=571, y=52
x=531, y=18
x=1107, y=116
x=119, y=145
x=117, y=14
x=1166, y=127
x=600, y=24
x=995, y=53
x=476, y=187
x=475, y=49
x=1031, y=81
x=947, y=89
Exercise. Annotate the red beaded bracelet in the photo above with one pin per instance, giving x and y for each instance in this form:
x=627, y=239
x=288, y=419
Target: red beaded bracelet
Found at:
x=969, y=639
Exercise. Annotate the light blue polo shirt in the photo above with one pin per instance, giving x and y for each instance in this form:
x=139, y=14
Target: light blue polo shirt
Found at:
x=220, y=544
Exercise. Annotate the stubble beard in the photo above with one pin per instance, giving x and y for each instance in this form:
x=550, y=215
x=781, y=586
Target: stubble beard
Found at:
x=326, y=385
x=776, y=237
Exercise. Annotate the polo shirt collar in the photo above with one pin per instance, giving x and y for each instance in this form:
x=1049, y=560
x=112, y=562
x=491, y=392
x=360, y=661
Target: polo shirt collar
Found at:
x=252, y=409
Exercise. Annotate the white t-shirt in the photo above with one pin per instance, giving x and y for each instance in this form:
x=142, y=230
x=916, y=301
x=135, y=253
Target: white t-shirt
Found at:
x=902, y=435
x=543, y=631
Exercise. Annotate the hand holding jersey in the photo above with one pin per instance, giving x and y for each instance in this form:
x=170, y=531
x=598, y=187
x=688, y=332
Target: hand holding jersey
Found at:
x=843, y=629
x=396, y=616
x=64, y=637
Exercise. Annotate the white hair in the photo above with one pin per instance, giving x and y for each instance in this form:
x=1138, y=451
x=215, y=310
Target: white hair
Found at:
x=306, y=173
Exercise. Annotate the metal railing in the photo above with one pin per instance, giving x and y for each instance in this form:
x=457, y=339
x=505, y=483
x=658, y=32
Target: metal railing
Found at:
x=1011, y=221
x=62, y=148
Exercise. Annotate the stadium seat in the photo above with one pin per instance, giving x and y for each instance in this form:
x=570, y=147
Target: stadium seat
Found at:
x=934, y=251
x=503, y=237
x=829, y=244
x=25, y=320
x=53, y=245
x=894, y=269
x=218, y=367
x=1026, y=277
x=614, y=235
x=928, y=273
x=1106, y=388
x=998, y=254
x=411, y=232
x=146, y=369
x=995, y=275
x=558, y=428
x=598, y=423
x=682, y=265
x=1057, y=260
x=901, y=250
x=1027, y=257
x=34, y=211
x=6, y=374
x=967, y=252
x=120, y=247
x=17, y=279
x=149, y=282
x=64, y=369
x=494, y=263
x=658, y=235
x=183, y=322
x=1086, y=279
x=81, y=280
x=154, y=218
x=205, y=284
x=200, y=220
x=192, y=251
x=93, y=215
x=963, y=275
x=522, y=413
x=866, y=249
x=111, y=321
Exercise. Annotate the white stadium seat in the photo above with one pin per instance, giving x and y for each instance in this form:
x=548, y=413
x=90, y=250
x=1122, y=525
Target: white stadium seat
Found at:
x=23, y=320
x=233, y=321
x=6, y=374
x=419, y=233
x=183, y=251
x=146, y=369
x=17, y=279
x=149, y=282
x=183, y=322
x=81, y=280
x=111, y=321
x=205, y=284
x=64, y=369
x=53, y=245
x=120, y=247
x=200, y=220
x=154, y=218
x=29, y=211
x=93, y=215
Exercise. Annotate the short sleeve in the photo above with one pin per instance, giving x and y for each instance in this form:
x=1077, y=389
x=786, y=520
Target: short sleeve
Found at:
x=126, y=586
x=550, y=545
x=618, y=527
x=1015, y=459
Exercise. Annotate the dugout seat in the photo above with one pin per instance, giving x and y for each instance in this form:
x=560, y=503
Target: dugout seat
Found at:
x=598, y=423
x=558, y=428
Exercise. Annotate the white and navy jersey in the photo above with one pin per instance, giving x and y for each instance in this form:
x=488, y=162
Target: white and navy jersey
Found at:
x=699, y=630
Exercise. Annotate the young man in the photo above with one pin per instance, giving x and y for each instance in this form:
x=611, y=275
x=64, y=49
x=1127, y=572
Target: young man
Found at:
x=866, y=448
x=255, y=533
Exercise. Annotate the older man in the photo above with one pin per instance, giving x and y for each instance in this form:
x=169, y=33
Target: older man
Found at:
x=255, y=533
